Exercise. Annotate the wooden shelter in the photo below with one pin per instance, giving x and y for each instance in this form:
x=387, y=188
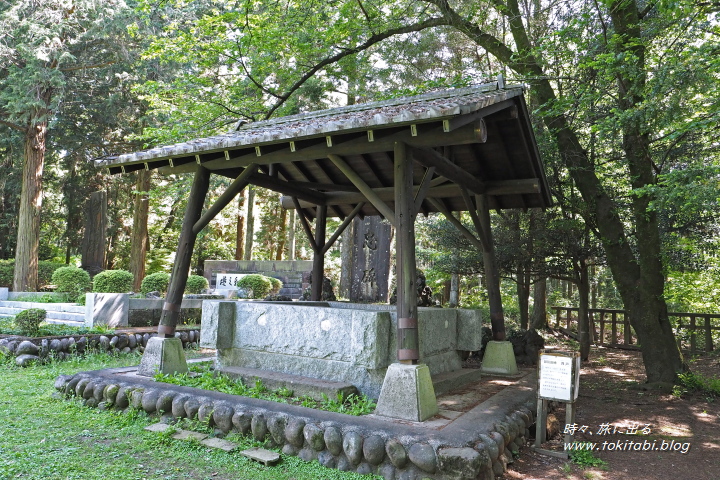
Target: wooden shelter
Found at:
x=468, y=149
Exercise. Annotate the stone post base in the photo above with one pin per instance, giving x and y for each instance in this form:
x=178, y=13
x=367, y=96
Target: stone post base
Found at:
x=163, y=355
x=499, y=358
x=407, y=393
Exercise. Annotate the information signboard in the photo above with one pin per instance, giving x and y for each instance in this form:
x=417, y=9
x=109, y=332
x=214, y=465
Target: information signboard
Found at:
x=559, y=376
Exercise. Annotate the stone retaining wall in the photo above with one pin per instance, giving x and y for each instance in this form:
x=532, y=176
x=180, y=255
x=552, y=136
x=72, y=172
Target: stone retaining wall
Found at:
x=27, y=350
x=479, y=448
x=343, y=342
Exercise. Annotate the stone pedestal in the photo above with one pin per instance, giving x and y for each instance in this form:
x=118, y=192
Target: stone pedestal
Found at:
x=499, y=359
x=163, y=355
x=109, y=309
x=407, y=393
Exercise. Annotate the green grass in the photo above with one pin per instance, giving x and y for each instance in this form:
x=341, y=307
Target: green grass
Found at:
x=696, y=383
x=202, y=376
x=45, y=438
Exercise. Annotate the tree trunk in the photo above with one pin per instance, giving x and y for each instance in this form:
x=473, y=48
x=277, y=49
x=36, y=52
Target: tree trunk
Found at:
x=538, y=320
x=28, y=235
x=250, y=229
x=139, y=240
x=291, y=236
x=523, y=293
x=583, y=314
x=240, y=232
x=281, y=234
x=95, y=236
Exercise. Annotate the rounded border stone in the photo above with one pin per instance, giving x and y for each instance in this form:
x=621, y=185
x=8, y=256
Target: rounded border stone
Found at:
x=424, y=457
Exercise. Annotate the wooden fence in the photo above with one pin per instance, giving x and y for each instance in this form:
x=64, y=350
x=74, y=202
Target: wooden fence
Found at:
x=694, y=331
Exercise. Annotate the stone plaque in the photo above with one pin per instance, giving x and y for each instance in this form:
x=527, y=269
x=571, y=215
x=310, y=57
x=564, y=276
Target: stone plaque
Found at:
x=370, y=260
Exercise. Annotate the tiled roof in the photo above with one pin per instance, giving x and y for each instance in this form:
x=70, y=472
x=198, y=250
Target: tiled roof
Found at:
x=406, y=110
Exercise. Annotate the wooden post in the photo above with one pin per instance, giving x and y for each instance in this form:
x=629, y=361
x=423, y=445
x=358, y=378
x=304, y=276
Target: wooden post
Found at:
x=602, y=328
x=708, y=335
x=407, y=334
x=183, y=255
x=693, y=335
x=318, y=272
x=557, y=317
x=492, y=278
x=627, y=332
x=614, y=329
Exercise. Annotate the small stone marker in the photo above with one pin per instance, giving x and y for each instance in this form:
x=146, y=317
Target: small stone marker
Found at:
x=158, y=427
x=261, y=455
x=190, y=435
x=220, y=444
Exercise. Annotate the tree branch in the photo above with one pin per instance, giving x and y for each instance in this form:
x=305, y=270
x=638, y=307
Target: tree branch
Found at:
x=12, y=125
x=374, y=39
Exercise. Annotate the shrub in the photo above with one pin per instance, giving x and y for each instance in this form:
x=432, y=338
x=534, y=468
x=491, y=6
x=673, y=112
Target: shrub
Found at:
x=28, y=321
x=155, y=282
x=276, y=285
x=196, y=284
x=113, y=281
x=45, y=272
x=7, y=269
x=71, y=280
x=259, y=285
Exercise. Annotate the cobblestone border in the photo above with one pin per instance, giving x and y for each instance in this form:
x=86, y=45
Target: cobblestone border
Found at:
x=31, y=350
x=480, y=445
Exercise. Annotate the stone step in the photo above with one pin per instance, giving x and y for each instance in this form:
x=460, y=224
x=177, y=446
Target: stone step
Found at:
x=445, y=382
x=300, y=386
x=49, y=307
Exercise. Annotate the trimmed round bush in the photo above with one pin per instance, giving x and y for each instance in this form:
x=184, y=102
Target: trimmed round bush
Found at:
x=276, y=285
x=71, y=280
x=28, y=321
x=113, y=281
x=259, y=285
x=155, y=282
x=196, y=284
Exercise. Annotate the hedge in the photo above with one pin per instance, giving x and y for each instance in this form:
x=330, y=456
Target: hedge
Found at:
x=113, y=281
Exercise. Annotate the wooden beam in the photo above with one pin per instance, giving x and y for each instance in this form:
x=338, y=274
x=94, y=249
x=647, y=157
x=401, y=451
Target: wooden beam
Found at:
x=421, y=192
x=429, y=135
x=305, y=224
x=440, y=207
x=364, y=188
x=183, y=254
x=342, y=227
x=492, y=276
x=408, y=342
x=504, y=187
x=318, y=271
x=228, y=195
x=430, y=158
x=289, y=188
x=472, y=209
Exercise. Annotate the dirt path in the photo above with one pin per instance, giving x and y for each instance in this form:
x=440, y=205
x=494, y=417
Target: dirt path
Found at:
x=610, y=400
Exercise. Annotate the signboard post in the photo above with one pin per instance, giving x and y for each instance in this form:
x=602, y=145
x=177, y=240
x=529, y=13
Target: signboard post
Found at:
x=558, y=380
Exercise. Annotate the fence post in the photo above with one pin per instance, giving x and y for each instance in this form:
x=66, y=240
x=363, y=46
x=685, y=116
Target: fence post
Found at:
x=602, y=328
x=614, y=328
x=557, y=317
x=627, y=333
x=567, y=321
x=693, y=339
x=708, y=335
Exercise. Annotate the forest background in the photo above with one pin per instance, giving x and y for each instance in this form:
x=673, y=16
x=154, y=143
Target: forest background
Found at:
x=624, y=96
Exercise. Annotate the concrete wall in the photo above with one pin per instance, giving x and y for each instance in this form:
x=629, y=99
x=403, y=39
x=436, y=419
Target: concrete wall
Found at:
x=338, y=341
